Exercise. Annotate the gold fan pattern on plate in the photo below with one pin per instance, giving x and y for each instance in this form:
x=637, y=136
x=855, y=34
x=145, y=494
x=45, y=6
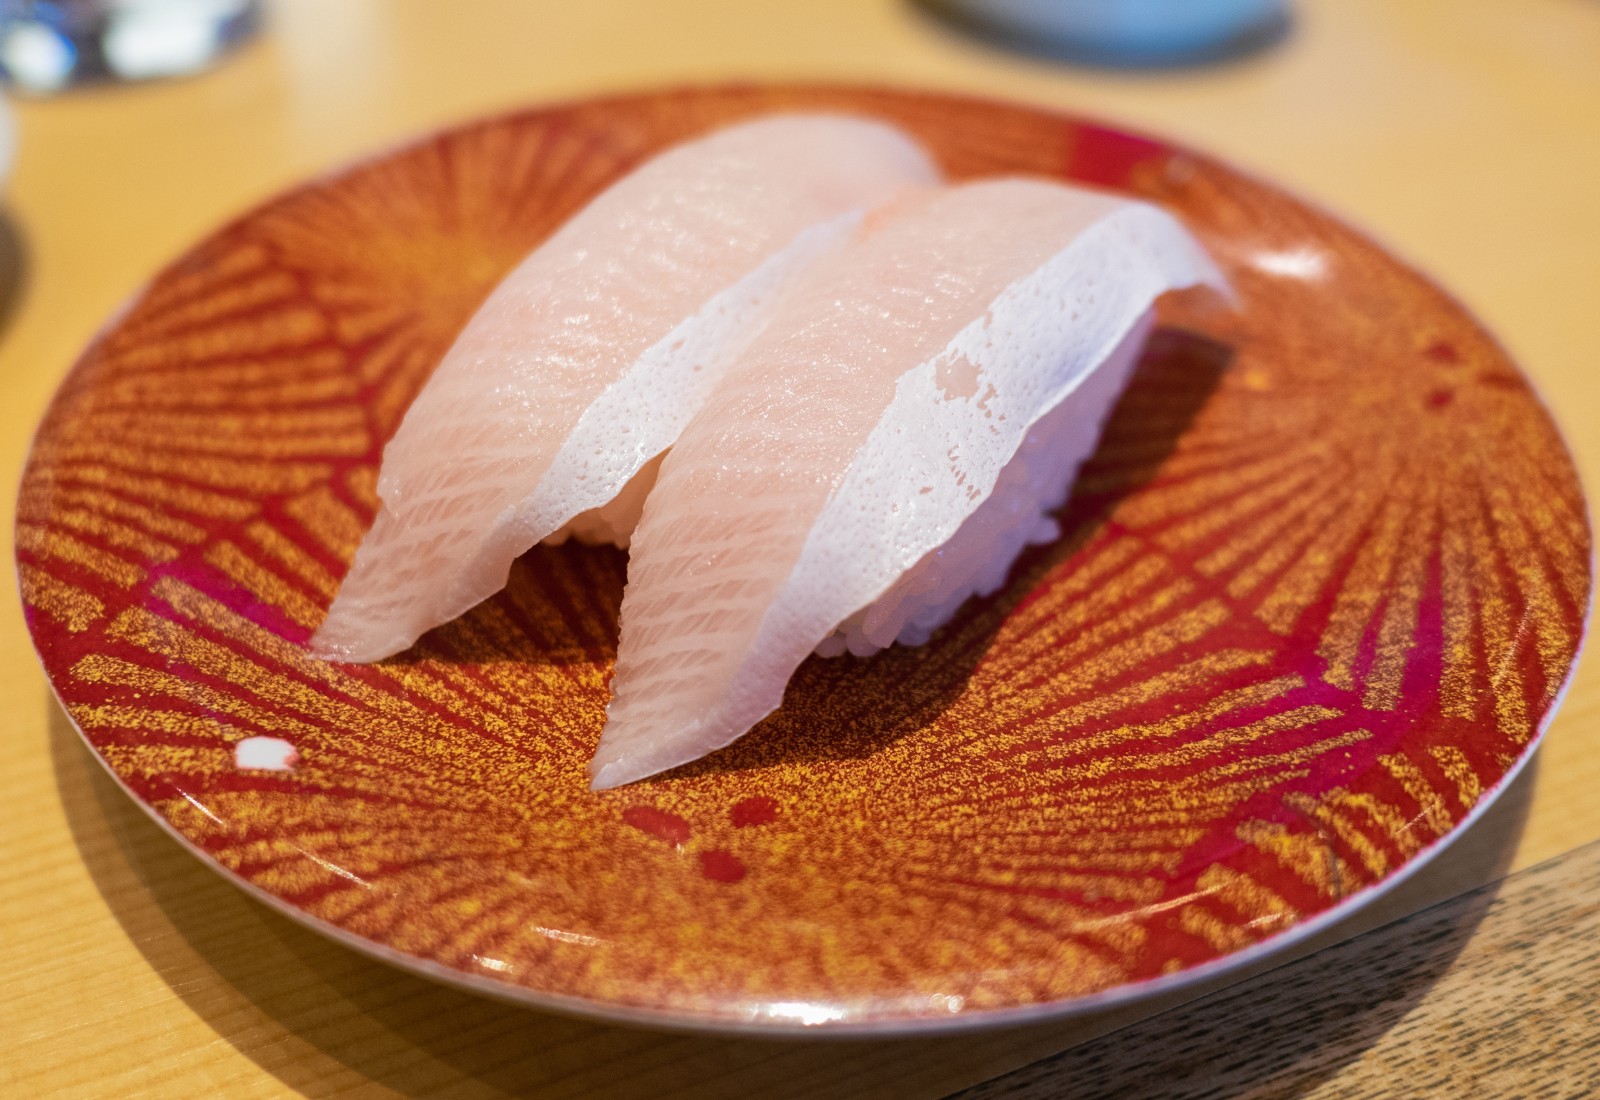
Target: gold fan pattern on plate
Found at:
x=1318, y=591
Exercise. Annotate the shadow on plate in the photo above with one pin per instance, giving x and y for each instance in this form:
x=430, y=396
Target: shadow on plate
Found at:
x=950, y=19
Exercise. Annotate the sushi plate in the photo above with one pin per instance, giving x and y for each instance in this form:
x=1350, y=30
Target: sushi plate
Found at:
x=1318, y=594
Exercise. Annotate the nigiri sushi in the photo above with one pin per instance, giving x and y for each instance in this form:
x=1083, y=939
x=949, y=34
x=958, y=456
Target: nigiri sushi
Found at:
x=548, y=415
x=966, y=338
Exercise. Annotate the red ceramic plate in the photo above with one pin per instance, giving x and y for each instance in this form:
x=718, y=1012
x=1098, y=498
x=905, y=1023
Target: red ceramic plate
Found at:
x=1321, y=587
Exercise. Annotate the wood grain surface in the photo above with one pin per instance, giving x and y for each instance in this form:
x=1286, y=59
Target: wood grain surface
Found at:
x=1465, y=134
x=1492, y=994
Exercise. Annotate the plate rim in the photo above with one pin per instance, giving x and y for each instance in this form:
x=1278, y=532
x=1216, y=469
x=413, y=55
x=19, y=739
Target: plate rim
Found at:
x=905, y=1025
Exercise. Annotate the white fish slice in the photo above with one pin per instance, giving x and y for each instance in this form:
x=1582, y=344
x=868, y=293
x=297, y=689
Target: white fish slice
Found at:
x=546, y=417
x=860, y=431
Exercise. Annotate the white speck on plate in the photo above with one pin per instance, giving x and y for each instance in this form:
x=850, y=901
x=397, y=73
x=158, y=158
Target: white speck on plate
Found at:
x=1299, y=263
x=271, y=754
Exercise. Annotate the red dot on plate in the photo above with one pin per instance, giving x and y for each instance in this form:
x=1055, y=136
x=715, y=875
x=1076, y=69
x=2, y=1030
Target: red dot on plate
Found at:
x=720, y=866
x=1441, y=352
x=759, y=810
x=658, y=823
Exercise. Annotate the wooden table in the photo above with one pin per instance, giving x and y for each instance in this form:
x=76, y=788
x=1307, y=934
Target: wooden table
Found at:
x=1464, y=133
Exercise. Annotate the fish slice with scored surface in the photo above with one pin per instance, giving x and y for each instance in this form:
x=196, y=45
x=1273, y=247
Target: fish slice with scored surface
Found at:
x=547, y=415
x=857, y=433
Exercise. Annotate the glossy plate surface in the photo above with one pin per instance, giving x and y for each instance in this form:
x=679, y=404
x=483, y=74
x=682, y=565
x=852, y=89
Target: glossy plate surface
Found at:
x=1320, y=587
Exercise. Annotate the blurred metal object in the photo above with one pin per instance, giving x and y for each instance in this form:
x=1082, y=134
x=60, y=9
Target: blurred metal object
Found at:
x=1125, y=33
x=50, y=45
